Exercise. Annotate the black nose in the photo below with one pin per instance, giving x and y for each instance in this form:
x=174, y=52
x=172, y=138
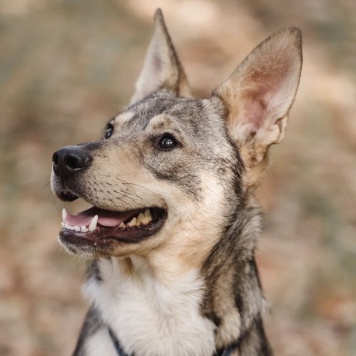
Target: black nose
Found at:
x=69, y=160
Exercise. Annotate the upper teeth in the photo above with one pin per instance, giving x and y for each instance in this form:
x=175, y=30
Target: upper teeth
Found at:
x=133, y=222
x=64, y=214
x=93, y=223
x=142, y=219
x=91, y=227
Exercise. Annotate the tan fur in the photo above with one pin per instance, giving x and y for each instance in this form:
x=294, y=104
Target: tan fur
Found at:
x=124, y=117
x=191, y=286
x=231, y=325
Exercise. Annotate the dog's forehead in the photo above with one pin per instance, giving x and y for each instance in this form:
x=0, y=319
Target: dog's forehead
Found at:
x=179, y=110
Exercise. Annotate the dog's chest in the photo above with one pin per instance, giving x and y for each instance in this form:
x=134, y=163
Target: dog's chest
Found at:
x=154, y=319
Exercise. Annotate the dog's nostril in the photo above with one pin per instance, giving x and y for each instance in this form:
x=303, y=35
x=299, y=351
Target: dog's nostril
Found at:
x=74, y=162
x=55, y=158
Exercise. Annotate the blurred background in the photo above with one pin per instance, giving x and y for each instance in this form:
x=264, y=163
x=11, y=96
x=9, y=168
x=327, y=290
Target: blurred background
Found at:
x=67, y=66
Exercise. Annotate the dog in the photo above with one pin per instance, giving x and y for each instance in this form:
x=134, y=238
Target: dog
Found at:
x=174, y=221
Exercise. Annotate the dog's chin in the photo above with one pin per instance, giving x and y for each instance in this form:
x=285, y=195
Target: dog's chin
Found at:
x=97, y=231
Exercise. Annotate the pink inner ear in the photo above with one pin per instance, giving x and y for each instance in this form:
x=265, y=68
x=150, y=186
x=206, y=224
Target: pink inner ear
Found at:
x=254, y=112
x=257, y=105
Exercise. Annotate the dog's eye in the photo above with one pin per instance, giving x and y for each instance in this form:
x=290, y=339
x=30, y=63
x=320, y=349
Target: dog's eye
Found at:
x=108, y=131
x=166, y=142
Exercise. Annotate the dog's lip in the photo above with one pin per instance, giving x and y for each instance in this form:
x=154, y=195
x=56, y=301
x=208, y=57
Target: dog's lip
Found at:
x=105, y=235
x=67, y=196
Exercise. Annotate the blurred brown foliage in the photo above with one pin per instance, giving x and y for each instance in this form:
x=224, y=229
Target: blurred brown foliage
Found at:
x=66, y=66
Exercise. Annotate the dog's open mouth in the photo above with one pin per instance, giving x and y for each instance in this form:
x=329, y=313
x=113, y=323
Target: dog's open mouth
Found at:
x=102, y=226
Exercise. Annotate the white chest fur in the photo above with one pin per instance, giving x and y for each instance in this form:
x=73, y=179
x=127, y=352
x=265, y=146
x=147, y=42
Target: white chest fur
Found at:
x=150, y=318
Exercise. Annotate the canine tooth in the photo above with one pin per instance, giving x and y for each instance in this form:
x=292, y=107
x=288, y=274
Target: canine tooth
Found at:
x=83, y=229
x=147, y=217
x=122, y=225
x=141, y=218
x=64, y=214
x=93, y=223
x=148, y=214
x=132, y=222
x=63, y=224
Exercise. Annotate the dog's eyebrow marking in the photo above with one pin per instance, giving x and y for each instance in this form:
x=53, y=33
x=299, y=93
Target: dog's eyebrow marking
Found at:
x=159, y=122
x=123, y=117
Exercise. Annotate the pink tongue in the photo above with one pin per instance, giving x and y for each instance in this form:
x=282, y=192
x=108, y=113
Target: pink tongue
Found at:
x=106, y=218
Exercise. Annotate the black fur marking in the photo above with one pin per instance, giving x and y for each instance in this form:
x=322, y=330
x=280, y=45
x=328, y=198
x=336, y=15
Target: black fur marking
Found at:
x=94, y=271
x=265, y=348
x=214, y=318
x=254, y=341
x=239, y=303
x=92, y=324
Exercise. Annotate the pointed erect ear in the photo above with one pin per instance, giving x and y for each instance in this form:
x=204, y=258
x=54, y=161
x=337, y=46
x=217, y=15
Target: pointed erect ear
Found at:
x=162, y=68
x=259, y=94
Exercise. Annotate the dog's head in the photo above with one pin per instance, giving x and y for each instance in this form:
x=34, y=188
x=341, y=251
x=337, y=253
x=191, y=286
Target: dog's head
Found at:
x=171, y=170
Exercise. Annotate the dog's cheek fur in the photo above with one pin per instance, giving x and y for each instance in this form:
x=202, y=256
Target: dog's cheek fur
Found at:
x=185, y=229
x=116, y=180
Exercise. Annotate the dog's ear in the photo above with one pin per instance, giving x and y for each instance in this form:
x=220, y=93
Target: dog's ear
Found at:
x=162, y=68
x=258, y=96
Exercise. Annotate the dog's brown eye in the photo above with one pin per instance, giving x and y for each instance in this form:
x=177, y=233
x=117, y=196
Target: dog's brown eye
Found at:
x=108, y=131
x=166, y=142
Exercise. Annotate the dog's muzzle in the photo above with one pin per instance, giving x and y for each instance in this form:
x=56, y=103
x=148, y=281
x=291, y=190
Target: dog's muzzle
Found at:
x=97, y=228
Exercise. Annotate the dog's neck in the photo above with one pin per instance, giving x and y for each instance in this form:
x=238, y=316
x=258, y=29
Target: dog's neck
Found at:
x=233, y=296
x=150, y=311
x=209, y=306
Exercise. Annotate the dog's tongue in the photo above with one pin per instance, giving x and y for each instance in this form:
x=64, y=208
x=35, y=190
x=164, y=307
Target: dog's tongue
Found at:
x=105, y=218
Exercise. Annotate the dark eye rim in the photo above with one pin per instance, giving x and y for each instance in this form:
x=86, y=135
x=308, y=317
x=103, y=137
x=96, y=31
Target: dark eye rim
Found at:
x=158, y=142
x=108, y=131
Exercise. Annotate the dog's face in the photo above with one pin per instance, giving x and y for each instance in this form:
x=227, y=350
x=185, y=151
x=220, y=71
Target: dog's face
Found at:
x=169, y=171
x=162, y=165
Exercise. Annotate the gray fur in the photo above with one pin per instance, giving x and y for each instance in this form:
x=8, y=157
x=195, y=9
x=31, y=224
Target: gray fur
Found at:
x=211, y=147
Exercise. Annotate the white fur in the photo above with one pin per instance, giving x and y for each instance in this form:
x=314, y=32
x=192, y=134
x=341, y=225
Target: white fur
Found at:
x=152, y=318
x=100, y=344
